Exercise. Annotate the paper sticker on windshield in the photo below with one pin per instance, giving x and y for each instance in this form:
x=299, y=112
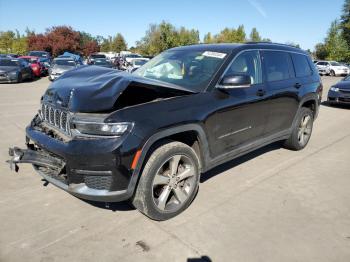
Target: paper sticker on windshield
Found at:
x=214, y=54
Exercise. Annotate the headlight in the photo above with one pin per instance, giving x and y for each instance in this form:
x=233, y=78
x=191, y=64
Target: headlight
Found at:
x=96, y=127
x=335, y=89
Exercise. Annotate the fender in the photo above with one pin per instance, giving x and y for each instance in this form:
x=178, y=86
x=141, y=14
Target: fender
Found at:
x=166, y=133
x=309, y=97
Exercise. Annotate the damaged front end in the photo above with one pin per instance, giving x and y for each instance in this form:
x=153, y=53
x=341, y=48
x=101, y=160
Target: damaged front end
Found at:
x=87, y=132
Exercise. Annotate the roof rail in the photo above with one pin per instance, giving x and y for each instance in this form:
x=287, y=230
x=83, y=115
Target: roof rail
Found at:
x=272, y=43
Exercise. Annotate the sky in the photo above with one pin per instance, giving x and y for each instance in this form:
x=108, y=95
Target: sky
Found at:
x=304, y=22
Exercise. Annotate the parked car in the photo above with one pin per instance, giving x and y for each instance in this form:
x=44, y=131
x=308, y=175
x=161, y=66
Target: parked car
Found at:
x=14, y=70
x=103, y=62
x=75, y=57
x=129, y=57
x=60, y=66
x=136, y=63
x=40, y=54
x=340, y=92
x=332, y=68
x=37, y=67
x=92, y=58
x=107, y=135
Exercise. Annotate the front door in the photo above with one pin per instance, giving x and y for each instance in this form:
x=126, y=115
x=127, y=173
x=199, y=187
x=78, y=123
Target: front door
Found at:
x=241, y=112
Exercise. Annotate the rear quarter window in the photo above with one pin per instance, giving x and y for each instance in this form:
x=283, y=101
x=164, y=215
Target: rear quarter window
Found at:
x=301, y=65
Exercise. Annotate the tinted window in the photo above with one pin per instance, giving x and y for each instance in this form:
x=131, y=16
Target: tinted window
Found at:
x=9, y=62
x=247, y=63
x=301, y=65
x=278, y=66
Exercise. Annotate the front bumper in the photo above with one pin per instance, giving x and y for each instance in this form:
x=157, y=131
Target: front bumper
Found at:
x=8, y=79
x=338, y=97
x=93, y=169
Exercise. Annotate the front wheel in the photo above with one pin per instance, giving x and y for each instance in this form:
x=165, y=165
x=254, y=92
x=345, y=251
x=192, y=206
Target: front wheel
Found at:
x=332, y=73
x=302, y=131
x=19, y=78
x=169, y=181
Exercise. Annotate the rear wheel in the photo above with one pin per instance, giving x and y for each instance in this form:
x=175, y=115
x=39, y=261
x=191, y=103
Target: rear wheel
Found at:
x=169, y=181
x=302, y=131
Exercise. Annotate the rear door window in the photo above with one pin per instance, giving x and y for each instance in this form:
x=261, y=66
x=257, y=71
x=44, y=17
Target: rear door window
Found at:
x=301, y=65
x=278, y=66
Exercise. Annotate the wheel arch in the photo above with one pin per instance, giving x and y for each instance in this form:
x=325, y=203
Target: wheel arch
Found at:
x=190, y=134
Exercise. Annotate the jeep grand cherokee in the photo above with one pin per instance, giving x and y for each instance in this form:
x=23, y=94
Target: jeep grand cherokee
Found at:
x=109, y=136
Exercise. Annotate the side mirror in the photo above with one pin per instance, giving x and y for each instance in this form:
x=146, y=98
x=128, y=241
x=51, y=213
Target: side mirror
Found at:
x=233, y=81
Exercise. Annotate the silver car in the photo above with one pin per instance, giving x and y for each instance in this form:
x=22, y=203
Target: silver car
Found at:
x=61, y=65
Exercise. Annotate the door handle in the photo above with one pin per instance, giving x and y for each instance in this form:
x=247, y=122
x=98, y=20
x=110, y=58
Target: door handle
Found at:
x=260, y=92
x=297, y=85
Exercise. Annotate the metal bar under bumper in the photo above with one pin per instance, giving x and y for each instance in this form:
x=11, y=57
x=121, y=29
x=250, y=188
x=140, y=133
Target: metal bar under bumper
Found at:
x=30, y=156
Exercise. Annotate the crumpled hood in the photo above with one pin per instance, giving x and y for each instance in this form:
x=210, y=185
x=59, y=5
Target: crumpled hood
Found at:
x=343, y=85
x=90, y=89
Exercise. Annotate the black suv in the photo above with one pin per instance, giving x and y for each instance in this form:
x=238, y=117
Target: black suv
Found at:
x=106, y=135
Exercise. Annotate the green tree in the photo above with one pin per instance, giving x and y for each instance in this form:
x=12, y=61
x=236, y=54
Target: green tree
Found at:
x=118, y=43
x=231, y=35
x=160, y=37
x=321, y=51
x=254, y=35
x=335, y=44
x=208, y=39
x=345, y=21
x=6, y=41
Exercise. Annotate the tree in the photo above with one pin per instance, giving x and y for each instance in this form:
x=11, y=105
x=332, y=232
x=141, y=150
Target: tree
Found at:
x=345, y=21
x=231, y=35
x=254, y=35
x=335, y=44
x=208, y=39
x=321, y=51
x=119, y=43
x=160, y=37
x=6, y=41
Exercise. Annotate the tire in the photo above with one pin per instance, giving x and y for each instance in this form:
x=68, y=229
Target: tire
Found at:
x=164, y=192
x=19, y=78
x=332, y=73
x=302, y=130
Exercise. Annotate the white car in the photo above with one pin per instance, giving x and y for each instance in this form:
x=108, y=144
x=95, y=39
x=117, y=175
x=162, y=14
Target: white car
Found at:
x=136, y=63
x=332, y=68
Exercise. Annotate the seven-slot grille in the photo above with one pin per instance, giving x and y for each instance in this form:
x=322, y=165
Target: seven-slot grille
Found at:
x=55, y=117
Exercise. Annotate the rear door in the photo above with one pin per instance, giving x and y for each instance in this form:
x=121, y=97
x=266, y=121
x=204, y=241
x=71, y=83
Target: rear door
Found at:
x=282, y=90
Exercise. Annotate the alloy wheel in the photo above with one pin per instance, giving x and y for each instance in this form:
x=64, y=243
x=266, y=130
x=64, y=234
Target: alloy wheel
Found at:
x=305, y=129
x=174, y=183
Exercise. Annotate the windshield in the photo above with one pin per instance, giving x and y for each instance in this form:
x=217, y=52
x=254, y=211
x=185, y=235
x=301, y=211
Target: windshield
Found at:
x=98, y=56
x=140, y=62
x=64, y=62
x=190, y=69
x=39, y=54
x=9, y=62
x=335, y=64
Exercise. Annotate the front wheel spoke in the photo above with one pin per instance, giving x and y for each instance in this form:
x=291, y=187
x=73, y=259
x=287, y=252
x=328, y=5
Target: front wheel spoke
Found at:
x=174, y=164
x=188, y=172
x=160, y=180
x=180, y=194
x=305, y=121
x=163, y=198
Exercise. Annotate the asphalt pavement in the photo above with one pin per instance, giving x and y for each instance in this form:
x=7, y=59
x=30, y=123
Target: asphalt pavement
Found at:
x=271, y=205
